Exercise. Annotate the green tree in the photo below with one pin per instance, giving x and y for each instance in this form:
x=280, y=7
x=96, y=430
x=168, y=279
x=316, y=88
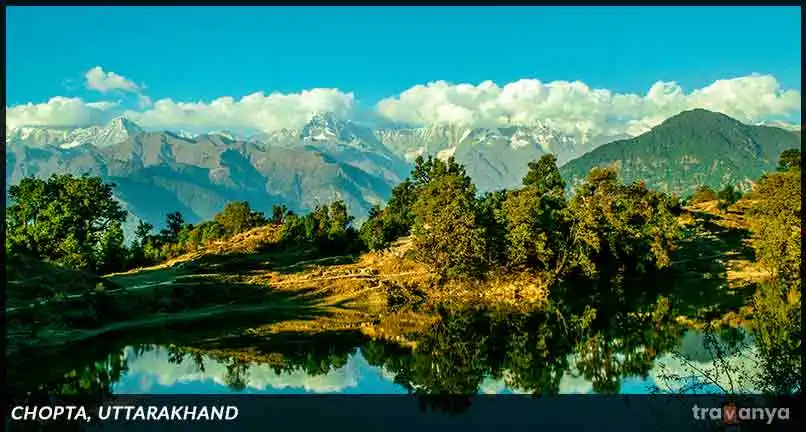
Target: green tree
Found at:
x=537, y=227
x=544, y=175
x=341, y=234
x=728, y=196
x=142, y=236
x=790, y=159
x=372, y=233
x=775, y=218
x=776, y=329
x=211, y=231
x=238, y=217
x=173, y=225
x=143, y=232
x=112, y=251
x=447, y=235
x=340, y=220
x=185, y=236
x=293, y=228
x=492, y=219
x=397, y=216
x=619, y=227
x=62, y=218
x=703, y=193
x=317, y=224
x=278, y=214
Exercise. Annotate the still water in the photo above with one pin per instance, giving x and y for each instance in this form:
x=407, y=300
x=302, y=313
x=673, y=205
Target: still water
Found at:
x=448, y=360
x=153, y=372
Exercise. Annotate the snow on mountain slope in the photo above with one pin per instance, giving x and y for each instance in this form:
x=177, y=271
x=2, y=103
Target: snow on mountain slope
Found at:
x=114, y=132
x=413, y=142
x=496, y=157
x=38, y=135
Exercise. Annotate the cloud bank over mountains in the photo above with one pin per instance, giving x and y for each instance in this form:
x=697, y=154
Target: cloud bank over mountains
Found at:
x=59, y=111
x=573, y=106
x=560, y=105
x=256, y=111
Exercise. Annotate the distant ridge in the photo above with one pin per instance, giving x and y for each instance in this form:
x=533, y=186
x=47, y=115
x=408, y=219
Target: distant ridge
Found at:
x=693, y=148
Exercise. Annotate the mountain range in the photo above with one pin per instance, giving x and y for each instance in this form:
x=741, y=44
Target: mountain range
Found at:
x=157, y=172
x=693, y=148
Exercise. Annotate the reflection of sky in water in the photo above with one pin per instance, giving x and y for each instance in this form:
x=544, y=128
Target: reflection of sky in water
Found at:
x=152, y=373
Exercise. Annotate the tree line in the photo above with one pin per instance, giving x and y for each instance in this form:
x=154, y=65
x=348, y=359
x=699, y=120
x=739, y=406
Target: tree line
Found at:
x=535, y=228
x=605, y=224
x=76, y=222
x=775, y=219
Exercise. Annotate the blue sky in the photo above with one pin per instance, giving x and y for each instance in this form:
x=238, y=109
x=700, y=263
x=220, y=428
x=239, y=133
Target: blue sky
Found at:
x=194, y=54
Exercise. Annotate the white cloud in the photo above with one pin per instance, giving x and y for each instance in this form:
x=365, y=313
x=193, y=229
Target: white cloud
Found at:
x=143, y=101
x=255, y=111
x=569, y=107
x=58, y=111
x=574, y=107
x=104, y=82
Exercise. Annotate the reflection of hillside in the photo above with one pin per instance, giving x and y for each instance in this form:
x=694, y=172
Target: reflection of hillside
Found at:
x=153, y=369
x=474, y=351
x=280, y=360
x=89, y=377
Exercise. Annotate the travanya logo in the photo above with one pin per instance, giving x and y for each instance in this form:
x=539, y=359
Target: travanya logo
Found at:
x=730, y=414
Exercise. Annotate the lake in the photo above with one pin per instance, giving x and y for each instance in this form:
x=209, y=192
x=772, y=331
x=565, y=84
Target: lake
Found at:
x=231, y=361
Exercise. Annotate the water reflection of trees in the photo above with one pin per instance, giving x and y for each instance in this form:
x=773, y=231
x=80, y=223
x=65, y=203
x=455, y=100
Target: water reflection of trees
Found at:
x=60, y=378
x=764, y=358
x=600, y=332
x=531, y=352
x=311, y=354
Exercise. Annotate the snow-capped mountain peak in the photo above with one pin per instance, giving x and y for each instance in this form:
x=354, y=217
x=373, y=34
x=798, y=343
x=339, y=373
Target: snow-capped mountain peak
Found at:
x=324, y=126
x=116, y=131
x=122, y=125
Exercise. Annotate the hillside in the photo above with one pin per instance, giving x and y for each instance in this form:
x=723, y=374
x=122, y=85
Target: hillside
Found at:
x=693, y=148
x=160, y=172
x=383, y=294
x=494, y=157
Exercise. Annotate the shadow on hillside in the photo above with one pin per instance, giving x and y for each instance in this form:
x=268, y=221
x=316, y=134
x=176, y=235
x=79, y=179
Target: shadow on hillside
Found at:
x=730, y=240
x=233, y=264
x=309, y=264
x=195, y=303
x=29, y=280
x=700, y=286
